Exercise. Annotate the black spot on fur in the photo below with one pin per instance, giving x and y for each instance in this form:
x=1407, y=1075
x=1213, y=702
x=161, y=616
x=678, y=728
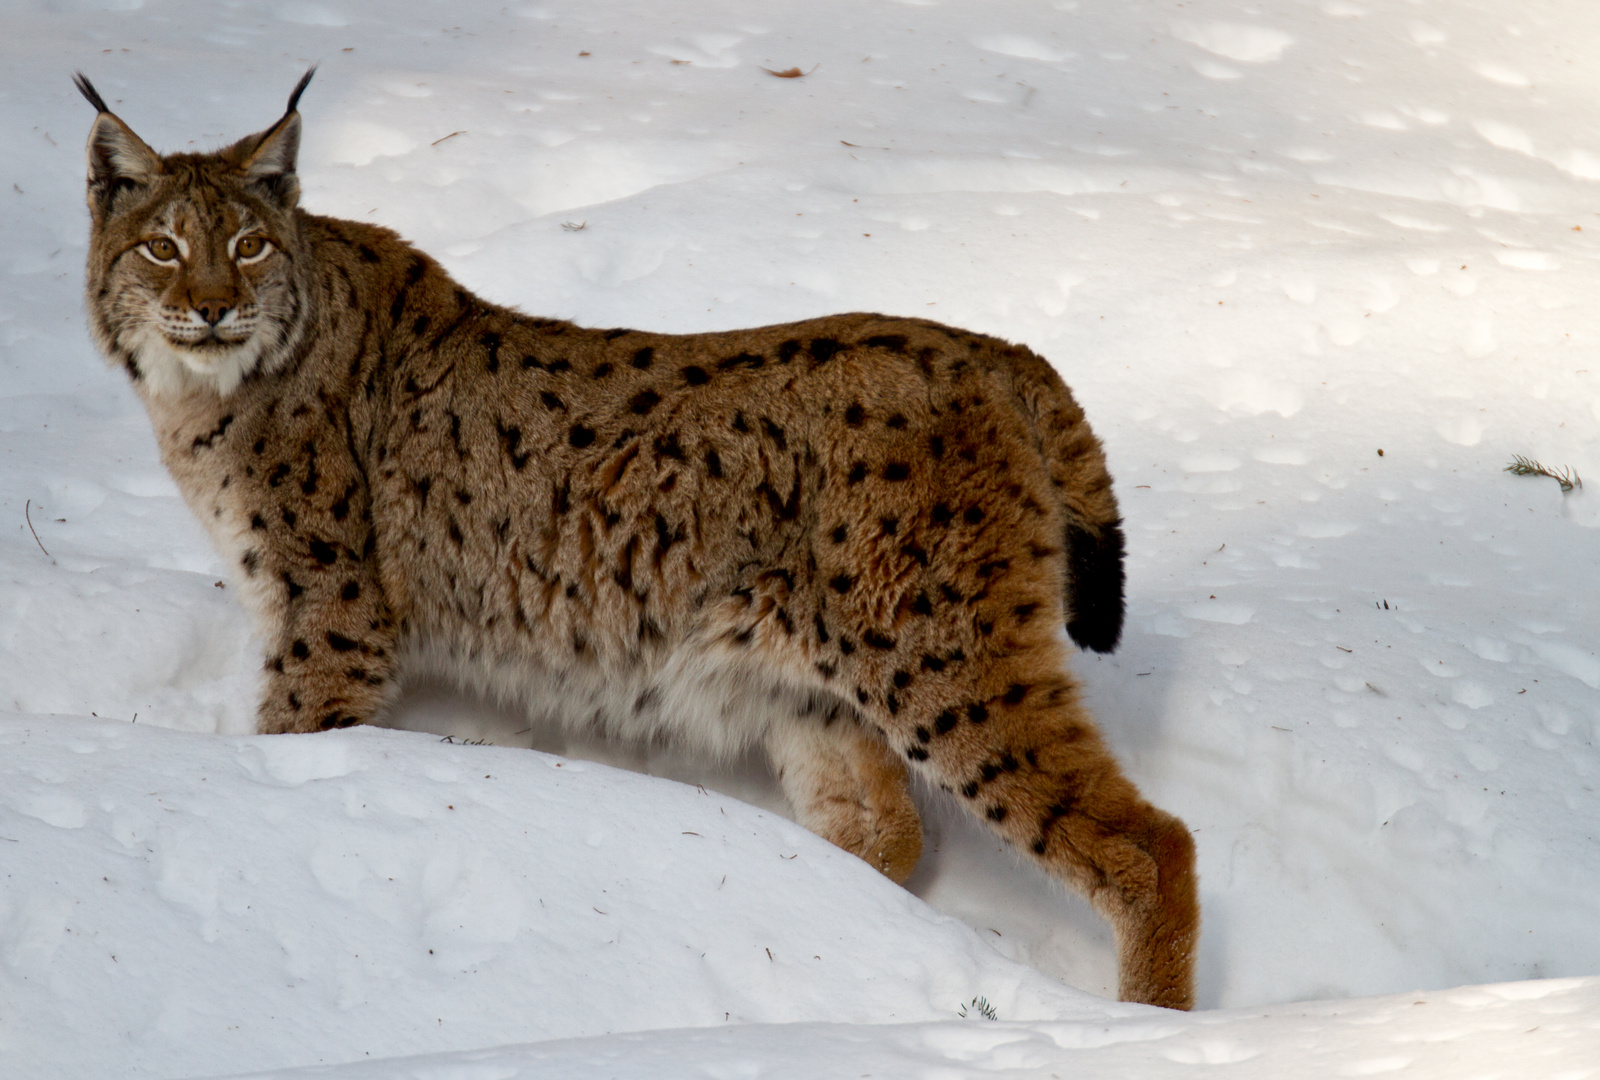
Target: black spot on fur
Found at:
x=257, y=523
x=339, y=643
x=977, y=713
x=739, y=424
x=580, y=436
x=973, y=515
x=945, y=723
x=825, y=349
x=915, y=551
x=917, y=753
x=775, y=433
x=351, y=591
x=936, y=446
x=996, y=813
x=970, y=789
x=902, y=679
x=510, y=441
x=892, y=342
x=942, y=514
x=923, y=734
x=878, y=641
x=744, y=359
x=295, y=589
x=695, y=375
x=713, y=462
x=846, y=646
x=668, y=446
x=644, y=401
x=323, y=551
x=897, y=421
x=858, y=473
x=889, y=525
x=826, y=669
x=491, y=343
x=788, y=351
x=989, y=772
x=839, y=534
x=822, y=629
x=644, y=358
x=299, y=650
x=855, y=415
x=841, y=583
x=1015, y=694
x=896, y=471
x=922, y=605
x=210, y=440
x=1024, y=612
x=550, y=401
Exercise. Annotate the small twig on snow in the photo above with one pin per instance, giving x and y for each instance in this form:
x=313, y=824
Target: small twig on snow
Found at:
x=26, y=507
x=1568, y=477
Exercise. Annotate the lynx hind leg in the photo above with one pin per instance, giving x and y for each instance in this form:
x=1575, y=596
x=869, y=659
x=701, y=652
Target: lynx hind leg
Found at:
x=1029, y=763
x=848, y=788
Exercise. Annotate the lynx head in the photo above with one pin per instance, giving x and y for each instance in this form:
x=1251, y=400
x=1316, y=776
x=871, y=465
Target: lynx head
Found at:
x=196, y=277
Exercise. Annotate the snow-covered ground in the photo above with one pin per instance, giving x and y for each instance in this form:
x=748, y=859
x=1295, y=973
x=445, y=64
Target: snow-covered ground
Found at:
x=1317, y=269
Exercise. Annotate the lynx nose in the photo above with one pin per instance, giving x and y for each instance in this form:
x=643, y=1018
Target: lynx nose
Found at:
x=212, y=310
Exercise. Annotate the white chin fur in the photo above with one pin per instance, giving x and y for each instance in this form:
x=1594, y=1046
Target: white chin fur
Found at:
x=170, y=371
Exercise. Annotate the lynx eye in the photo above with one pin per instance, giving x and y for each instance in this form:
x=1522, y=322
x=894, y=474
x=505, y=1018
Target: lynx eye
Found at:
x=250, y=247
x=162, y=249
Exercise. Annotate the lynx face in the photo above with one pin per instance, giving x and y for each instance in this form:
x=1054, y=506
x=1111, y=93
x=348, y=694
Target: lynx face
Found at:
x=195, y=284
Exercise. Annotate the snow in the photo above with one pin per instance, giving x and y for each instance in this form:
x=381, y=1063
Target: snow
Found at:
x=1261, y=241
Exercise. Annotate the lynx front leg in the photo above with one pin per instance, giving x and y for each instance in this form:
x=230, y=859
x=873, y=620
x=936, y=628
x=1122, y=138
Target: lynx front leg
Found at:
x=333, y=663
x=848, y=788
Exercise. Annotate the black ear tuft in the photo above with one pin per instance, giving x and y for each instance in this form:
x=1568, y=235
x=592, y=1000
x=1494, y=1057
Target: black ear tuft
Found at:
x=299, y=88
x=269, y=158
x=119, y=160
x=86, y=88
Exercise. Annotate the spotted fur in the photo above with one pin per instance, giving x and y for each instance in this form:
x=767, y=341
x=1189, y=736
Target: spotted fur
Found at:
x=855, y=540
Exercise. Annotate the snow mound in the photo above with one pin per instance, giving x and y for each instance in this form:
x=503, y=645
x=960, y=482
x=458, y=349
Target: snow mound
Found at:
x=183, y=903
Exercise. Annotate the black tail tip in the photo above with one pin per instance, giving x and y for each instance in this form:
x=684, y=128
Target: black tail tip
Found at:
x=86, y=88
x=1094, y=591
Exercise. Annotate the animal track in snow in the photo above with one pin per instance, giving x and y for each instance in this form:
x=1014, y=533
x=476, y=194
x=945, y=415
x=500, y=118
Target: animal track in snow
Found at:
x=59, y=808
x=1235, y=41
x=1022, y=47
x=293, y=760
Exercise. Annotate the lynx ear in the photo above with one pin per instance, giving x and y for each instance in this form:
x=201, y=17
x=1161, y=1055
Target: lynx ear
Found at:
x=118, y=159
x=269, y=158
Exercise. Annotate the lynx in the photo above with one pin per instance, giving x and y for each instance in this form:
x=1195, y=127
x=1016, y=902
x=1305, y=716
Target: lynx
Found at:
x=854, y=541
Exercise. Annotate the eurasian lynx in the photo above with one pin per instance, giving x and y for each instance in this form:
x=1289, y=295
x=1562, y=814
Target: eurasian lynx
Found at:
x=854, y=540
